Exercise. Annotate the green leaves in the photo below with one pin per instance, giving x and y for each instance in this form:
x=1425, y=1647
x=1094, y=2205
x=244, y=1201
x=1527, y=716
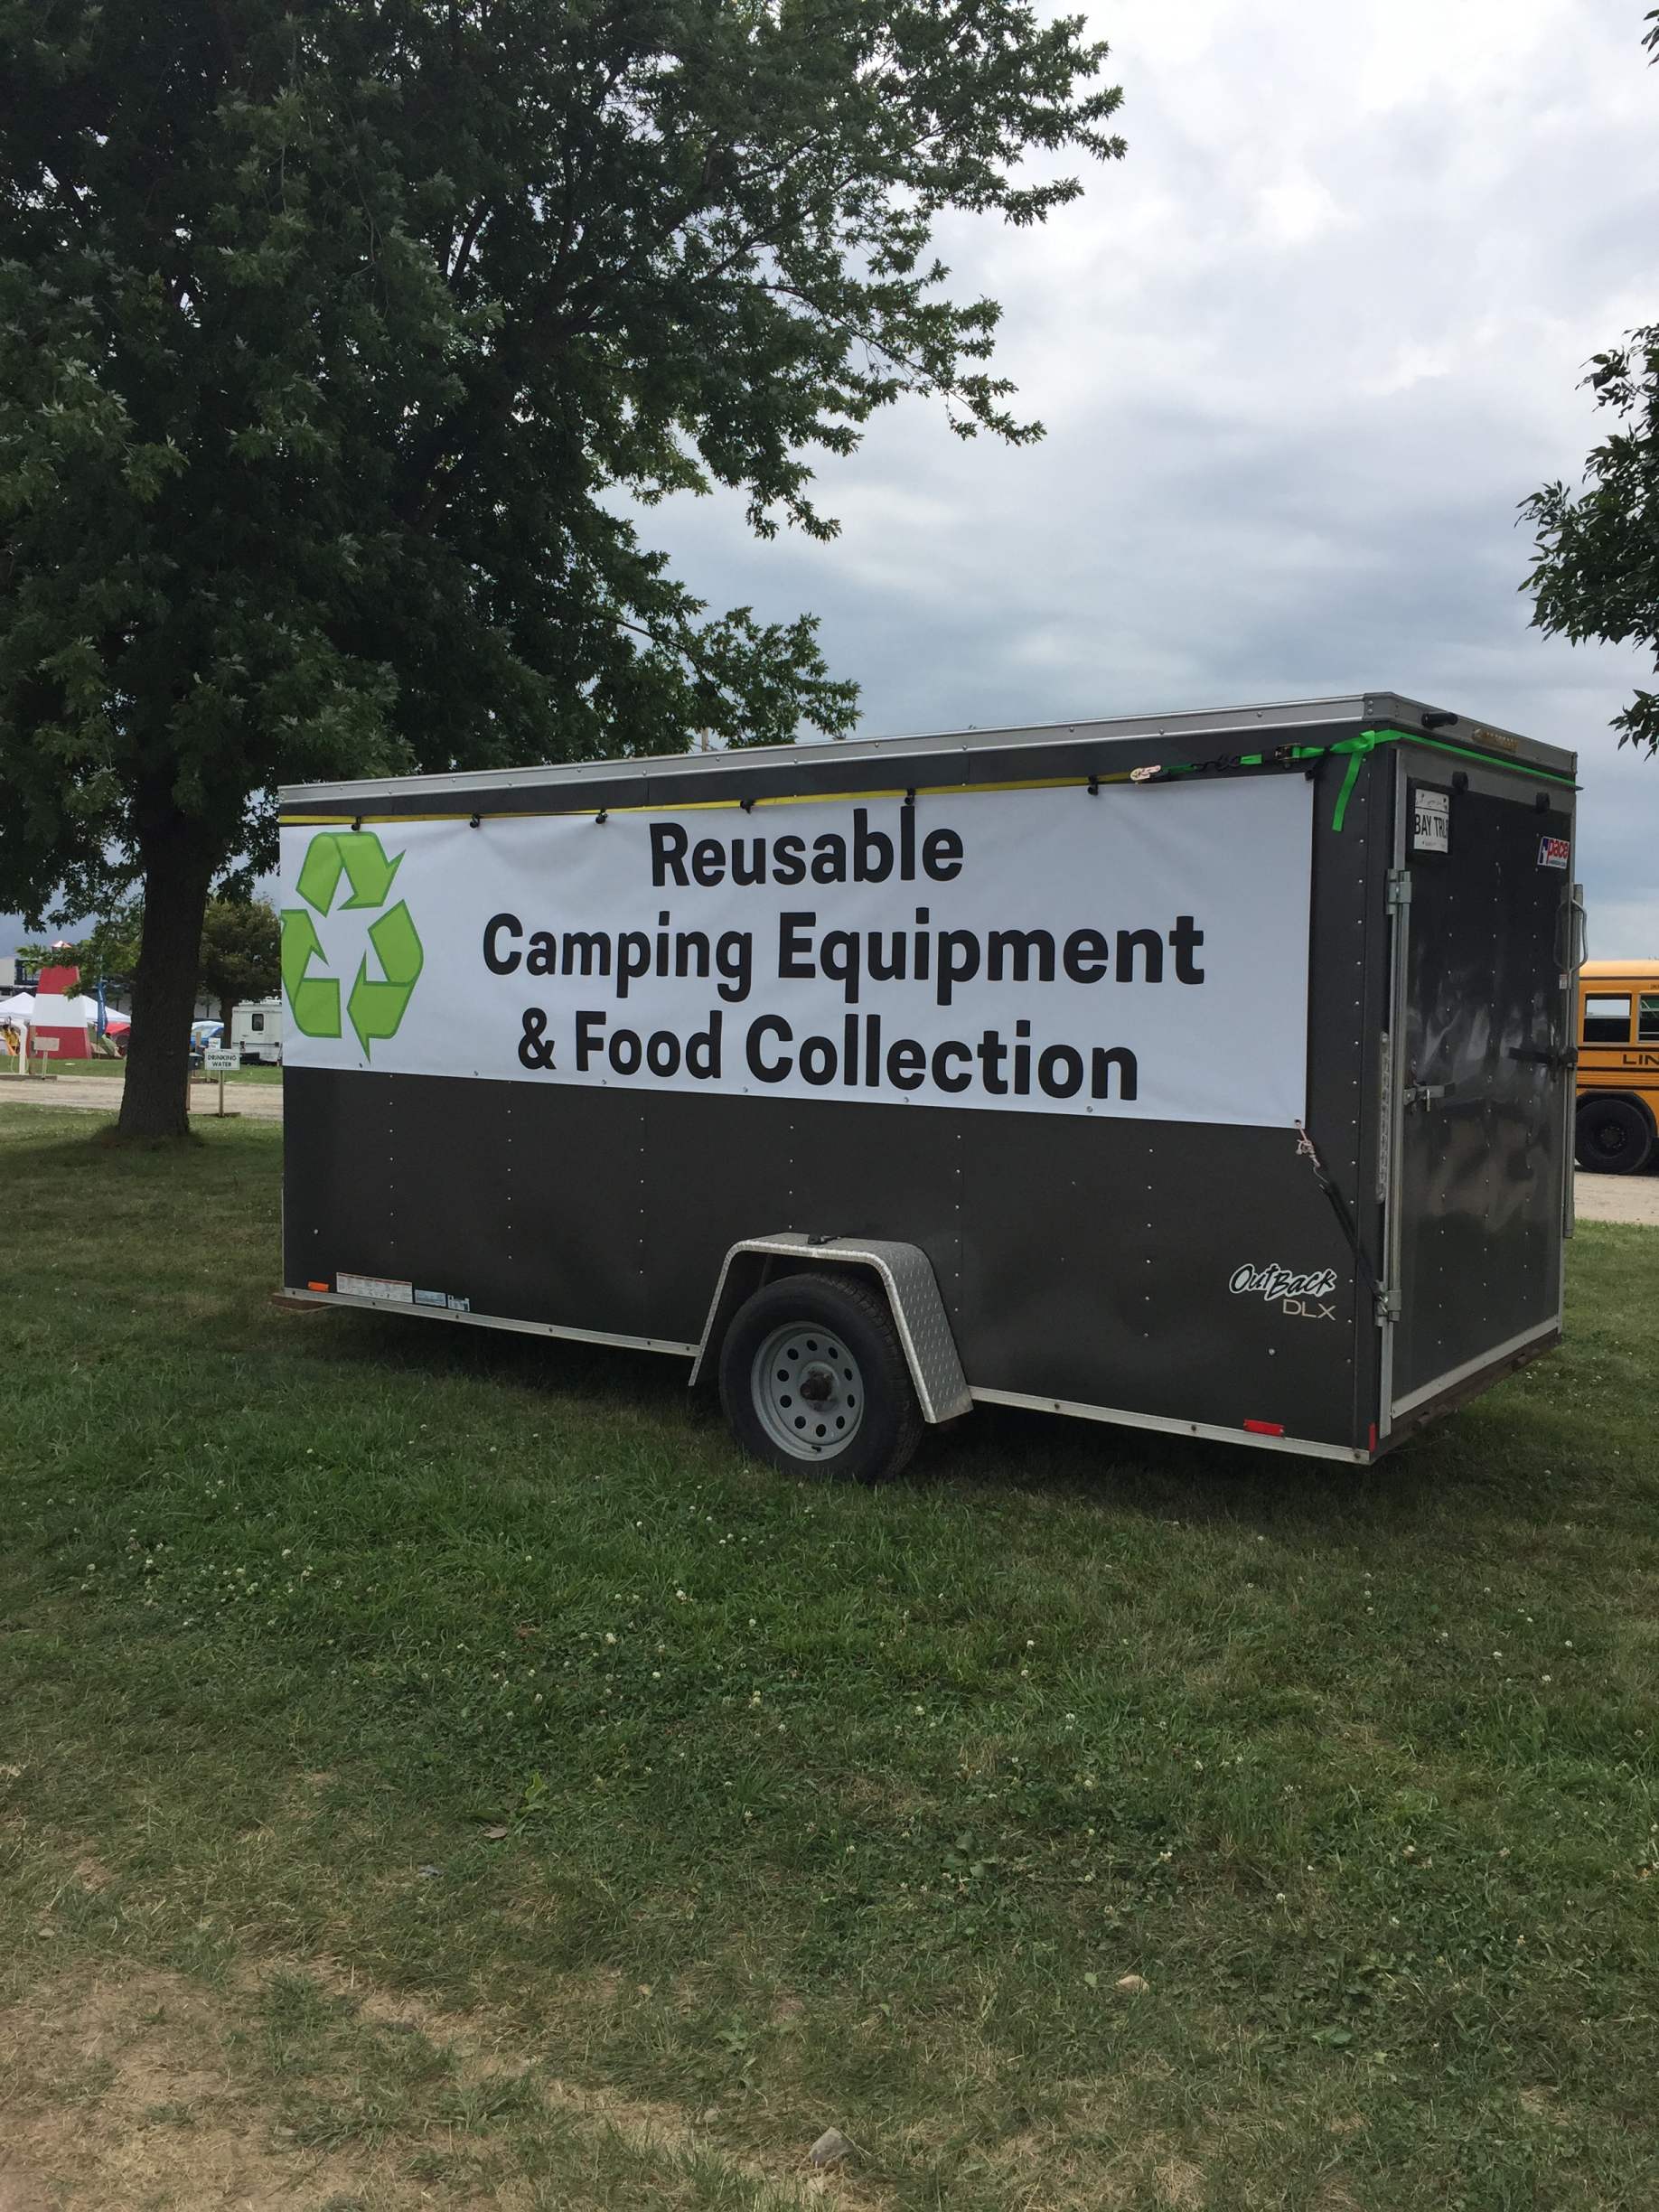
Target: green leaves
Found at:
x=335, y=340
x=1597, y=572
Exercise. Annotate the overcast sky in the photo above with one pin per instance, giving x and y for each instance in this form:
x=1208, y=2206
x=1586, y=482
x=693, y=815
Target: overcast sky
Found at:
x=1299, y=356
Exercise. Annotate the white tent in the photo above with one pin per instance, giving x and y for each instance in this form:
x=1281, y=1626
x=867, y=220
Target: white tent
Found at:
x=18, y=1008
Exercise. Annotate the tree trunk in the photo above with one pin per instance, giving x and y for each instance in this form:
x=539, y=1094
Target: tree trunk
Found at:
x=178, y=868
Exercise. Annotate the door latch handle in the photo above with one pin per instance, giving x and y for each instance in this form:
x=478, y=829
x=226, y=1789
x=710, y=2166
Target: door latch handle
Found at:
x=1424, y=1094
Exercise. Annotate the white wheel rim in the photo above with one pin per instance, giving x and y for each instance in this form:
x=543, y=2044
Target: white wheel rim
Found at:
x=808, y=1390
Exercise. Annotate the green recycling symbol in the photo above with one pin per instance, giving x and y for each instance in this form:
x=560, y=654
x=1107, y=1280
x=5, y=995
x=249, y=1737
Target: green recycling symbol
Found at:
x=376, y=1005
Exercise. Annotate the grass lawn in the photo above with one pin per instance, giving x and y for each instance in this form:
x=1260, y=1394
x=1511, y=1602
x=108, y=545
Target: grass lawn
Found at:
x=435, y=1770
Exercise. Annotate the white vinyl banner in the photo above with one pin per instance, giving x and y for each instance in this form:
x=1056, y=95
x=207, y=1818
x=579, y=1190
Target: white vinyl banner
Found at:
x=1136, y=953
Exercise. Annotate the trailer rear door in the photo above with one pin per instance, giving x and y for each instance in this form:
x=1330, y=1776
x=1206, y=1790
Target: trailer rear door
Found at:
x=1482, y=1075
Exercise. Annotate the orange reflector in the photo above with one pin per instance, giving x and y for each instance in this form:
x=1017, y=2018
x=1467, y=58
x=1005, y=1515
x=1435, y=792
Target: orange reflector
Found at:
x=1265, y=1428
x=316, y=1286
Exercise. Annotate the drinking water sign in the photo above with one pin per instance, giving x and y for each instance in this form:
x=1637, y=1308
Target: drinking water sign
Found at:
x=1040, y=951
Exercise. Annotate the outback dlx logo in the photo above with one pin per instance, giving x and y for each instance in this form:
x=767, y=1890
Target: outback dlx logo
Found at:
x=1301, y=1295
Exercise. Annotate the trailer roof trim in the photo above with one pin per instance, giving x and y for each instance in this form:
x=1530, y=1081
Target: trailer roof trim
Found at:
x=1361, y=707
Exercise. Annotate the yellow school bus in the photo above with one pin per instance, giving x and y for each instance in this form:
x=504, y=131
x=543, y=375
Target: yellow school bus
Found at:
x=1618, y=1064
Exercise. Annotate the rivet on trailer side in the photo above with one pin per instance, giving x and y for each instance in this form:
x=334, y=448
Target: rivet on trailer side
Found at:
x=1208, y=1075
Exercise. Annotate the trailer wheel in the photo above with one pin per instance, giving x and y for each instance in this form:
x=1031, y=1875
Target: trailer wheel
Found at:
x=812, y=1378
x=1614, y=1136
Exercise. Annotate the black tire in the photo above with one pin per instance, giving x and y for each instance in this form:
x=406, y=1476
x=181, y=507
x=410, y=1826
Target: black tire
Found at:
x=865, y=1388
x=1614, y=1136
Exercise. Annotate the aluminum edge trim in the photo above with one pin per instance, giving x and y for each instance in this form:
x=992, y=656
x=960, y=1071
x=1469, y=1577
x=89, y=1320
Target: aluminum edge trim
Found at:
x=1304, y=1447
x=1393, y=1134
x=1454, y=1375
x=1084, y=730
x=499, y=1321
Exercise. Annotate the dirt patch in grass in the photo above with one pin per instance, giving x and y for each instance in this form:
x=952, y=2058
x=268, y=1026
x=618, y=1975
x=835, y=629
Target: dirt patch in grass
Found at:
x=1180, y=2185
x=119, y=2094
x=481, y=2047
x=134, y=2090
x=21, y=2188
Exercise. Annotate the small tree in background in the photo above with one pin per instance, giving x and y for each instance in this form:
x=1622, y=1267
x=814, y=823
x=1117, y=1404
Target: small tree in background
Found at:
x=339, y=338
x=241, y=953
x=1596, y=575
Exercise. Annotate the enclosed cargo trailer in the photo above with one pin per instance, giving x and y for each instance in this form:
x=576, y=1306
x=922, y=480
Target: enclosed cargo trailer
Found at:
x=1206, y=1073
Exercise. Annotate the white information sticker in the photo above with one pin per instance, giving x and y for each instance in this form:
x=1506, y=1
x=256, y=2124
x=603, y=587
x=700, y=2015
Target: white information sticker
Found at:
x=375, y=1287
x=1430, y=821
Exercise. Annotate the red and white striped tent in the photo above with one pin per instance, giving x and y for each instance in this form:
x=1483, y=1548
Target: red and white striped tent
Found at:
x=55, y=1013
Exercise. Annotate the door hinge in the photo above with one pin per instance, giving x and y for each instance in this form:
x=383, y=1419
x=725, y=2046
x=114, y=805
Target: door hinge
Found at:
x=1399, y=889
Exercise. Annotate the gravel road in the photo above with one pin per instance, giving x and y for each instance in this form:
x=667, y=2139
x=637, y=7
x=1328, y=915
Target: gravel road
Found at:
x=1617, y=1198
x=102, y=1094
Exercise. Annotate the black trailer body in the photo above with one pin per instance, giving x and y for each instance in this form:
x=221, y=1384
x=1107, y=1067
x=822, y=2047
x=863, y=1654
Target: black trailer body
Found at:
x=1225, y=1089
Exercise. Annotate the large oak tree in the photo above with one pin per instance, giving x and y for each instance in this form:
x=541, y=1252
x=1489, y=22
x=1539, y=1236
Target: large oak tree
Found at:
x=340, y=339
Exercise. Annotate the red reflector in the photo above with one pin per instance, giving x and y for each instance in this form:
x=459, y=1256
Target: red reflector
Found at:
x=1374, y=1436
x=311, y=1286
x=1265, y=1428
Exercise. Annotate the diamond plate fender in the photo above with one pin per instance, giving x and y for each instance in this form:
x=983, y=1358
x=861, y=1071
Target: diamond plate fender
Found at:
x=907, y=1281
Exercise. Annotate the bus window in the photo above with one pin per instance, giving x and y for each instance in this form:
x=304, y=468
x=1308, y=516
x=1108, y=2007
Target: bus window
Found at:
x=1607, y=1019
x=1647, y=1021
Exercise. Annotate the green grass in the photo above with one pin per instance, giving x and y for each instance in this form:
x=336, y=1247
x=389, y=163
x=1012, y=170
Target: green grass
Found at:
x=817, y=1807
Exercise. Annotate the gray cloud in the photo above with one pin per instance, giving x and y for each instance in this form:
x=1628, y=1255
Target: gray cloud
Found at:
x=1299, y=357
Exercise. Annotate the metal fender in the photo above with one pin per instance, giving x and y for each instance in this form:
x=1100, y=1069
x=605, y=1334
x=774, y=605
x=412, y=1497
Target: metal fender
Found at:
x=906, y=1278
